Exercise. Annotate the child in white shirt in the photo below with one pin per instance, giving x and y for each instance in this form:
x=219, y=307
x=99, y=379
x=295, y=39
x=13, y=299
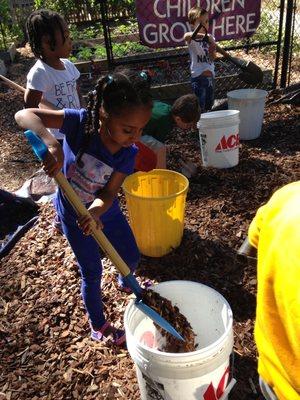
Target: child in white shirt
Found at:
x=53, y=77
x=202, y=49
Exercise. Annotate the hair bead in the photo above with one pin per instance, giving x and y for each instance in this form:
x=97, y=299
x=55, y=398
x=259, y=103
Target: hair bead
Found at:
x=109, y=79
x=144, y=75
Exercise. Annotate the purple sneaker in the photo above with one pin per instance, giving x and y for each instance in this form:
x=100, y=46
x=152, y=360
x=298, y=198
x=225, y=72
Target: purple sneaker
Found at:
x=109, y=333
x=56, y=225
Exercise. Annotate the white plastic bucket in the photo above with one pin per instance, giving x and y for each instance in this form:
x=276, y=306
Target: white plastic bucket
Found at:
x=219, y=138
x=251, y=104
x=202, y=374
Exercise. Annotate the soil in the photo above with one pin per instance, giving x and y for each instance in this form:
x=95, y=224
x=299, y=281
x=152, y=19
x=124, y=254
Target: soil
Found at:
x=45, y=351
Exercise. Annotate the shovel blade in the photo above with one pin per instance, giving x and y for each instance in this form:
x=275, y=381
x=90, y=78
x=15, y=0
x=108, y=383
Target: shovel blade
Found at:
x=137, y=290
x=164, y=324
x=252, y=73
x=251, y=79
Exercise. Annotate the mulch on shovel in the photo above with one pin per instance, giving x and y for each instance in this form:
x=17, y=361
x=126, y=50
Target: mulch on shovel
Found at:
x=172, y=314
x=45, y=350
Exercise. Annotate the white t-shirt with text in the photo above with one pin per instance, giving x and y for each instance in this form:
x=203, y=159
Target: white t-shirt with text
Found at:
x=200, y=61
x=59, y=87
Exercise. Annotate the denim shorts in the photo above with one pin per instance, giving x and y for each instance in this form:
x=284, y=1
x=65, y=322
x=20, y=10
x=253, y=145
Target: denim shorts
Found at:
x=204, y=89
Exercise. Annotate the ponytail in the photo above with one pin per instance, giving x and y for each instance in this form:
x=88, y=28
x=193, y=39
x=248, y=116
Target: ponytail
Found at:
x=92, y=124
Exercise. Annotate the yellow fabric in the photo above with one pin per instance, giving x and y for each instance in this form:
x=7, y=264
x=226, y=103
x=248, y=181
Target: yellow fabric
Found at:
x=275, y=232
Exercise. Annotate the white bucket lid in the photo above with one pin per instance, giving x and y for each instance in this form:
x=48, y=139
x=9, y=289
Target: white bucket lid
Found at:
x=247, y=94
x=215, y=118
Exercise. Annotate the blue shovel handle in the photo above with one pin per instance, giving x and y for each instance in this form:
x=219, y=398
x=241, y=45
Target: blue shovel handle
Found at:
x=40, y=149
x=37, y=144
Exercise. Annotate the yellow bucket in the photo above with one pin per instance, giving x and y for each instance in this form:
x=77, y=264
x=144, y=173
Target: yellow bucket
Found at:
x=156, y=204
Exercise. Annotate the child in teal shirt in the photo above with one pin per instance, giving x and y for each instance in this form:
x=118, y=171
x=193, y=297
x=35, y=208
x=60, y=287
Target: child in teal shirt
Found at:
x=184, y=113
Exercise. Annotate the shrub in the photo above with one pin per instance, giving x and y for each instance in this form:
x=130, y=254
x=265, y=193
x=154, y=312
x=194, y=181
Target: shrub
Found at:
x=126, y=48
x=10, y=32
x=85, y=53
x=130, y=27
x=90, y=32
x=100, y=52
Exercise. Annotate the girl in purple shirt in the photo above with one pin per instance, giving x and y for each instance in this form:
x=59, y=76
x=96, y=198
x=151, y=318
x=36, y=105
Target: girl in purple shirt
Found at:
x=98, y=153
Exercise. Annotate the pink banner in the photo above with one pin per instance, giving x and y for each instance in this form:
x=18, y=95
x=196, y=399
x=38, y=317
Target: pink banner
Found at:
x=163, y=23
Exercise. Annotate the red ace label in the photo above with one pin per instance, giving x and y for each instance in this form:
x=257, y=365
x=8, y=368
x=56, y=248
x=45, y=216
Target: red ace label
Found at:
x=211, y=394
x=228, y=143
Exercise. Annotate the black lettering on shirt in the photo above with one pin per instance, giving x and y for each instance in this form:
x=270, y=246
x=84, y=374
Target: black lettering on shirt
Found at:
x=59, y=103
x=71, y=101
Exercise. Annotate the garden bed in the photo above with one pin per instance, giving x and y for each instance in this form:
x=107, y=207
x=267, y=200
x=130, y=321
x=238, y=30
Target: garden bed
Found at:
x=45, y=348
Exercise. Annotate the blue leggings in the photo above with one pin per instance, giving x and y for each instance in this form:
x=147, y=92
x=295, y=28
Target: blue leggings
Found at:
x=88, y=255
x=203, y=87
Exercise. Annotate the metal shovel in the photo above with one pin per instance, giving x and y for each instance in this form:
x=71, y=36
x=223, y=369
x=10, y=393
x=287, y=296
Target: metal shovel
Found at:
x=252, y=73
x=41, y=150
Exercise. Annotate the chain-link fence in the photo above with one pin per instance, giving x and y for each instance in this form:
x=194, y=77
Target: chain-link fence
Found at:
x=290, y=73
x=150, y=39
x=147, y=34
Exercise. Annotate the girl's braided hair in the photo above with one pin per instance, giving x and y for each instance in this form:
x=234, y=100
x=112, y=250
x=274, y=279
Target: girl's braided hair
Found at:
x=115, y=93
x=41, y=23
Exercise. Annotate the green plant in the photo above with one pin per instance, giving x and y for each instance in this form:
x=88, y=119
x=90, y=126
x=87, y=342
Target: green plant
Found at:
x=5, y=22
x=268, y=29
x=90, y=32
x=100, y=52
x=74, y=32
x=73, y=59
x=9, y=30
x=126, y=48
x=126, y=29
x=85, y=53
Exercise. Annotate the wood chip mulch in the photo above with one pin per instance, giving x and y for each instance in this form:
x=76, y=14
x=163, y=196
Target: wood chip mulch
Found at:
x=45, y=349
x=178, y=321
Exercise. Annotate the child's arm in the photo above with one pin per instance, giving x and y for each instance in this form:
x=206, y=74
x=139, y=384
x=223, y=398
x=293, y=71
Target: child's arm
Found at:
x=212, y=48
x=33, y=99
x=38, y=120
x=103, y=201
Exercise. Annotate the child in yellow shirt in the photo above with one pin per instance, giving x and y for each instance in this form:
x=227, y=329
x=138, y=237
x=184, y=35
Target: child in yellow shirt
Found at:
x=275, y=232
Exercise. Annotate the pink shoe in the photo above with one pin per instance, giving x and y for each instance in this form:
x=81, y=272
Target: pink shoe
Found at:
x=125, y=289
x=109, y=333
x=56, y=225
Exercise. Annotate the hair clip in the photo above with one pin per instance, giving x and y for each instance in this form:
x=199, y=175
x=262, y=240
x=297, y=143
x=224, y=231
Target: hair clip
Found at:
x=109, y=79
x=144, y=75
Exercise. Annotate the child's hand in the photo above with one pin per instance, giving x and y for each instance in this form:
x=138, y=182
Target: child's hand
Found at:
x=54, y=159
x=188, y=36
x=86, y=222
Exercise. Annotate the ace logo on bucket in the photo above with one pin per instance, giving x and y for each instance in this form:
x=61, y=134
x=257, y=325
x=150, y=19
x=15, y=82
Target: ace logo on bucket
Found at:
x=228, y=143
x=211, y=394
